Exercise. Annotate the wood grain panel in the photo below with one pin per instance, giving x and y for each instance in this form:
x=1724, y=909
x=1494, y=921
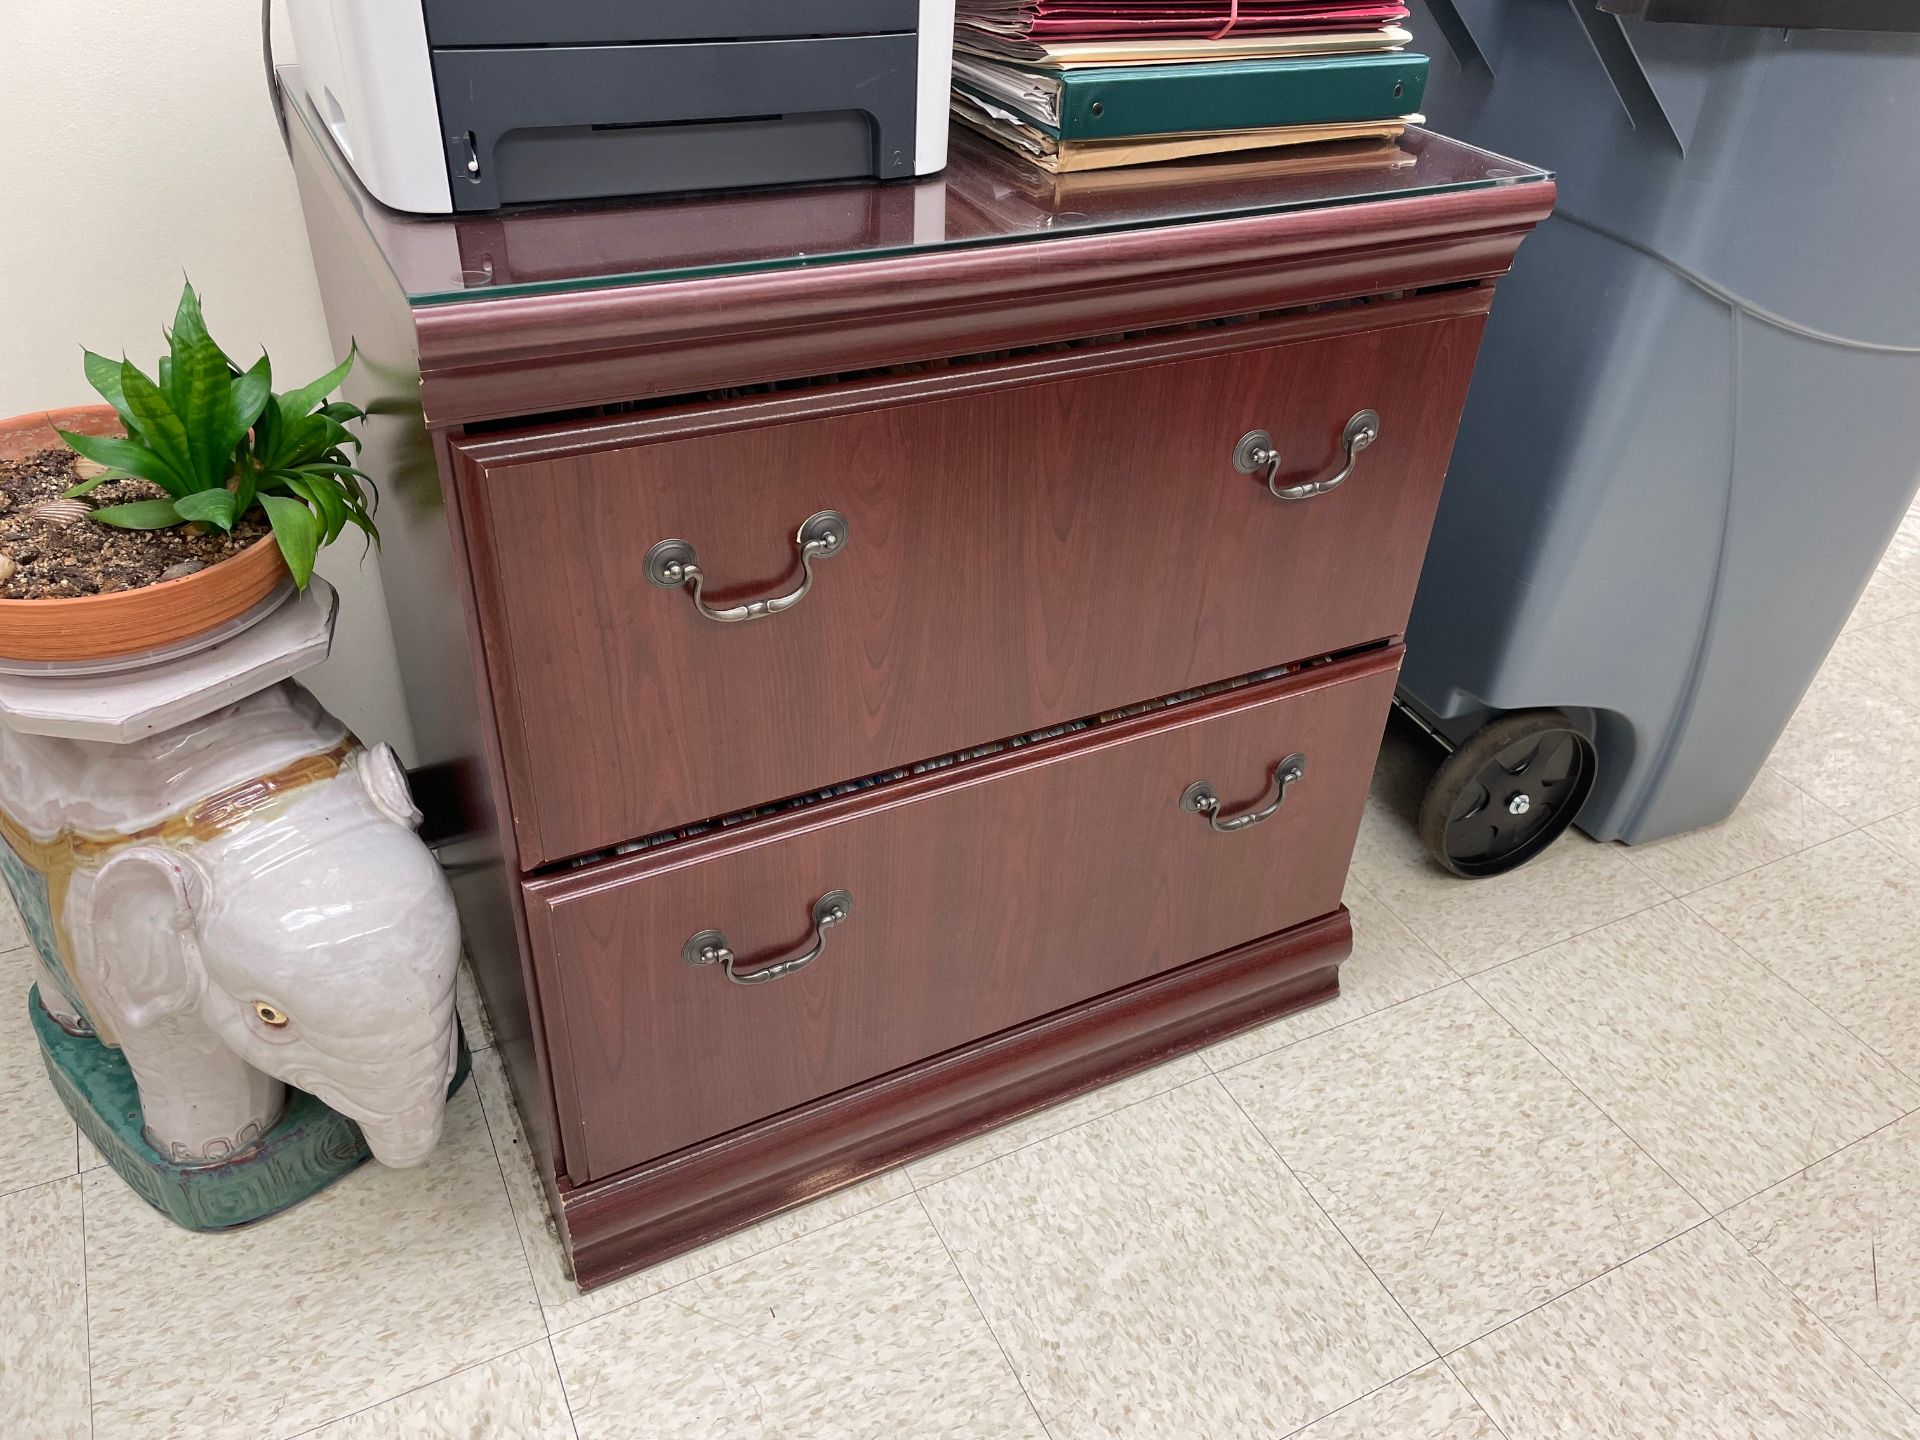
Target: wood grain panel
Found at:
x=642, y=1216
x=1016, y=558
x=672, y=420
x=521, y=355
x=985, y=896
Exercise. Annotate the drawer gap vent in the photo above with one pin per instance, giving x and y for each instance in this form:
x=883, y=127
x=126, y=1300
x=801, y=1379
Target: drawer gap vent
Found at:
x=941, y=762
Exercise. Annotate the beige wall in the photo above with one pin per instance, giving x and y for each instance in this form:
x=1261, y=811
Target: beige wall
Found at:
x=139, y=145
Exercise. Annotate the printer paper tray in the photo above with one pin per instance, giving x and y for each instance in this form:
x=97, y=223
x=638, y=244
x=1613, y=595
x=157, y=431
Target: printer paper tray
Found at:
x=564, y=122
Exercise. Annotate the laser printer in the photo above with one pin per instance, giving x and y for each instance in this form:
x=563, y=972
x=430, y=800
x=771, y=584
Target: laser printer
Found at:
x=462, y=105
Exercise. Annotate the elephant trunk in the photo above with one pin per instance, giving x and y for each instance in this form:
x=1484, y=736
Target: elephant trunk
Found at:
x=408, y=1136
x=402, y=1111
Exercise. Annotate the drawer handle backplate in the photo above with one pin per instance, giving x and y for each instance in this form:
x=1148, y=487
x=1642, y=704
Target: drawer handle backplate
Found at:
x=1199, y=798
x=709, y=947
x=1256, y=455
x=672, y=564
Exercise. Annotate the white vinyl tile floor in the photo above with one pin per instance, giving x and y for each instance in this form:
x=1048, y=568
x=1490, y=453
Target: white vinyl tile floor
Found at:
x=1625, y=1144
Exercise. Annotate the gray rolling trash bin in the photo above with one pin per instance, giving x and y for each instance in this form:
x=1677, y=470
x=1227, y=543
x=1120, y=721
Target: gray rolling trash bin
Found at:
x=1696, y=419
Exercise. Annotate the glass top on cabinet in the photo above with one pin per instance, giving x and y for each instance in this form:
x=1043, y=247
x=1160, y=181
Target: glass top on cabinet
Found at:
x=984, y=197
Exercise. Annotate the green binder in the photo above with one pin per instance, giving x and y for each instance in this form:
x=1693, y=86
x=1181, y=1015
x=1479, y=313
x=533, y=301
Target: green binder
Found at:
x=1115, y=102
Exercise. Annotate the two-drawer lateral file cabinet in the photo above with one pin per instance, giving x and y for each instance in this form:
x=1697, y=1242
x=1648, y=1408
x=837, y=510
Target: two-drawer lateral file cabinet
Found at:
x=885, y=659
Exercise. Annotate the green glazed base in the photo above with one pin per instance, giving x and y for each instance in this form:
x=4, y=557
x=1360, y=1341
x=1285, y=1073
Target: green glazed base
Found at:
x=310, y=1148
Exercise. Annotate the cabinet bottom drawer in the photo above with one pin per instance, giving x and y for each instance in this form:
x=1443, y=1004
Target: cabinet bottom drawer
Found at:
x=720, y=980
x=636, y=1219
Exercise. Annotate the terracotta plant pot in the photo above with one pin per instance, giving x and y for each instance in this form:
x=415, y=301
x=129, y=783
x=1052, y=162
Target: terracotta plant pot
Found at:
x=126, y=622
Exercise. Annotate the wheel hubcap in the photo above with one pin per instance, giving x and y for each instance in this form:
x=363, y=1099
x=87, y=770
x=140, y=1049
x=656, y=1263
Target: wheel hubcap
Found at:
x=1493, y=818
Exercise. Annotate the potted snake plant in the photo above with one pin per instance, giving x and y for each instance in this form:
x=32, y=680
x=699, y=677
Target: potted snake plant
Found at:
x=177, y=509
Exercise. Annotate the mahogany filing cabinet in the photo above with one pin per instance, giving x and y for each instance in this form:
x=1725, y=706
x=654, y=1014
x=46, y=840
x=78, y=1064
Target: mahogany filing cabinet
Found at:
x=888, y=658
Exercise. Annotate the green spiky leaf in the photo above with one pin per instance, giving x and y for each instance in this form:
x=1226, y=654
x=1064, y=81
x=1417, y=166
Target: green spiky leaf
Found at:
x=245, y=488
x=302, y=401
x=158, y=428
x=104, y=375
x=219, y=442
x=202, y=394
x=189, y=325
x=325, y=498
x=126, y=456
x=298, y=438
x=250, y=393
x=297, y=532
x=139, y=515
x=92, y=483
x=209, y=507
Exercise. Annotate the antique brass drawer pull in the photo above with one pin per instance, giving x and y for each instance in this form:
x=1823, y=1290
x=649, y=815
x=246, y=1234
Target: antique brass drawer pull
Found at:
x=710, y=947
x=1199, y=798
x=672, y=564
x=1256, y=453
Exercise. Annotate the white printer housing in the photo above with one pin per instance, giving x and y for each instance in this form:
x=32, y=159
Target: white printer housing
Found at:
x=456, y=105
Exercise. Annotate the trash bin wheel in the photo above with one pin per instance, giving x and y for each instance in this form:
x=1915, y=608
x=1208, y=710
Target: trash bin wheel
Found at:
x=1507, y=793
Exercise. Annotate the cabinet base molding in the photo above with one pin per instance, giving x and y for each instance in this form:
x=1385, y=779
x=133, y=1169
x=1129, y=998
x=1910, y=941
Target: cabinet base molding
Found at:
x=653, y=1212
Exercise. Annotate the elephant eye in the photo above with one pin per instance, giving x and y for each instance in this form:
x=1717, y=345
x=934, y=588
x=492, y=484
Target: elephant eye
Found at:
x=269, y=1016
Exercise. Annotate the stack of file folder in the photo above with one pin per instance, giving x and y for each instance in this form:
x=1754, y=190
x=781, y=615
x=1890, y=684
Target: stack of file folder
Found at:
x=1077, y=85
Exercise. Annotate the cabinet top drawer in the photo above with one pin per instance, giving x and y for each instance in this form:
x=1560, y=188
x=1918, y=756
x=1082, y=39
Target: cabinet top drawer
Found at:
x=970, y=900
x=862, y=578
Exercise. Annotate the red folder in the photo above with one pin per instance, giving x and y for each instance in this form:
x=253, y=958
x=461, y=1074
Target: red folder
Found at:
x=1064, y=20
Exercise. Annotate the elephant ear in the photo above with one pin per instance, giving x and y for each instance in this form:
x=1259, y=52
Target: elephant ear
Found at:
x=142, y=949
x=385, y=781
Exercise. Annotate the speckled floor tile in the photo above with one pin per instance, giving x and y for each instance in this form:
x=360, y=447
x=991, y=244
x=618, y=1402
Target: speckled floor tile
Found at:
x=1693, y=1341
x=1900, y=834
x=387, y=1281
x=13, y=930
x=1005, y=1139
x=517, y=1397
x=1887, y=597
x=1389, y=964
x=1853, y=745
x=37, y=1137
x=1845, y=1236
x=560, y=1298
x=1158, y=1272
x=43, y=1314
x=1886, y=654
x=1727, y=1077
x=861, y=1331
x=1474, y=924
x=1841, y=924
x=1426, y=1405
x=1473, y=1178
x=1776, y=819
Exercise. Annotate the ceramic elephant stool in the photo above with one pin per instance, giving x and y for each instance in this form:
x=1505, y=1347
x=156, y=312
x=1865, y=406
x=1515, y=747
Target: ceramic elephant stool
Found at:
x=237, y=906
